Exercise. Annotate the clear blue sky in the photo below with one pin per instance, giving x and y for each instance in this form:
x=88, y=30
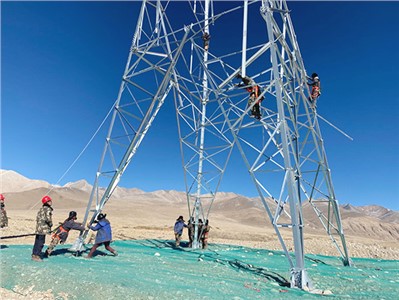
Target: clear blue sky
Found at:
x=61, y=66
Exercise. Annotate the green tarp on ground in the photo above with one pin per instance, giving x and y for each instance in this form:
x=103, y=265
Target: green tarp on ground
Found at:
x=154, y=269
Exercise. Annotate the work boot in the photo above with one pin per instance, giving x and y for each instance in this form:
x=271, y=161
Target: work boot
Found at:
x=36, y=258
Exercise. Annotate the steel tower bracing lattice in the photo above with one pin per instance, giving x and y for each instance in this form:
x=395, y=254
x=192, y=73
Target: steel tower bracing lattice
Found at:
x=203, y=131
x=283, y=151
x=147, y=80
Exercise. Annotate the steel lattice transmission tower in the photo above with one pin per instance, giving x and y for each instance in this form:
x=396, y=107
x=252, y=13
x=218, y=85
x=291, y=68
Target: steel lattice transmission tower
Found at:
x=283, y=151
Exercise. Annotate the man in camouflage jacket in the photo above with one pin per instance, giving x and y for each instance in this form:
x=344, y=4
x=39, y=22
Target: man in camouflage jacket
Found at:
x=44, y=222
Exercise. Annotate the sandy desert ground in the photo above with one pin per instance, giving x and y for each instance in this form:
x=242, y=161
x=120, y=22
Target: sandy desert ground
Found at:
x=371, y=232
x=153, y=224
x=157, y=224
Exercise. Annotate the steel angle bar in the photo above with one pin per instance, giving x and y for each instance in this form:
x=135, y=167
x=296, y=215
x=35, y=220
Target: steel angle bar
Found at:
x=186, y=89
x=314, y=188
x=152, y=53
x=298, y=274
x=248, y=62
x=282, y=190
x=325, y=220
x=281, y=209
x=138, y=86
x=139, y=58
x=125, y=121
x=150, y=68
x=271, y=139
x=276, y=229
x=307, y=159
x=221, y=57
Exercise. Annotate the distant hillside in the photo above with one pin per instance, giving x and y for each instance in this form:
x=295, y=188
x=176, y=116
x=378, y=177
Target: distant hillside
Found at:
x=374, y=211
x=11, y=181
x=26, y=193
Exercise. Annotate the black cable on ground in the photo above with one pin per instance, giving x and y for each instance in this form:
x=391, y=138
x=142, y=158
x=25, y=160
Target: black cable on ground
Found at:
x=16, y=236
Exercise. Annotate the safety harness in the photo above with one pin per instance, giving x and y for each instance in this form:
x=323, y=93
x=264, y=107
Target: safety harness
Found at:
x=315, y=92
x=256, y=91
x=59, y=231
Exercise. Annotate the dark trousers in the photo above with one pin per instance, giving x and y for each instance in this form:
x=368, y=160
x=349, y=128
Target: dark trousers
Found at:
x=40, y=239
x=107, y=246
x=256, y=110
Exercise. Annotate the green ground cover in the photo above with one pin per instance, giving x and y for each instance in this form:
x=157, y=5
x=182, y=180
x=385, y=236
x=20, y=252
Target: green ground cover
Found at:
x=154, y=269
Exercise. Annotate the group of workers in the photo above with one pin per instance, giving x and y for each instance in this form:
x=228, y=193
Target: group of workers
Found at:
x=254, y=90
x=256, y=96
x=202, y=232
x=44, y=223
x=59, y=235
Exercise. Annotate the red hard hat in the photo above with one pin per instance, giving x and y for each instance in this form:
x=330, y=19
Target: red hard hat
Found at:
x=2, y=197
x=46, y=199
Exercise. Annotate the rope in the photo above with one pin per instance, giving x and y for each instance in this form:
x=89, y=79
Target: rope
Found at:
x=16, y=236
x=28, y=234
x=335, y=127
x=78, y=157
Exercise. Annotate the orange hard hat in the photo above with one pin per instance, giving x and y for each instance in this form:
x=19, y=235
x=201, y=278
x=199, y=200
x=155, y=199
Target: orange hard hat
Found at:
x=2, y=197
x=46, y=199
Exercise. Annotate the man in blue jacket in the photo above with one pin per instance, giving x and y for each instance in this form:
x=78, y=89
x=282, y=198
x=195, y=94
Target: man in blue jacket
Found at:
x=179, y=225
x=104, y=235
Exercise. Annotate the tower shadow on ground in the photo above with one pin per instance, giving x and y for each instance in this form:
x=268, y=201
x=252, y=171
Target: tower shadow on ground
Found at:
x=216, y=257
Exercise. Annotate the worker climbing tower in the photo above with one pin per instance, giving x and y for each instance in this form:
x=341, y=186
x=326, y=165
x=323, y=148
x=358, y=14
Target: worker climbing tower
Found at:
x=211, y=81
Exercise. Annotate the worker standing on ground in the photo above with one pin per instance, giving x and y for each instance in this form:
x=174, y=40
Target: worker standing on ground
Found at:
x=3, y=215
x=104, y=235
x=316, y=88
x=61, y=234
x=44, y=222
x=190, y=229
x=254, y=94
x=200, y=231
x=205, y=234
x=178, y=229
